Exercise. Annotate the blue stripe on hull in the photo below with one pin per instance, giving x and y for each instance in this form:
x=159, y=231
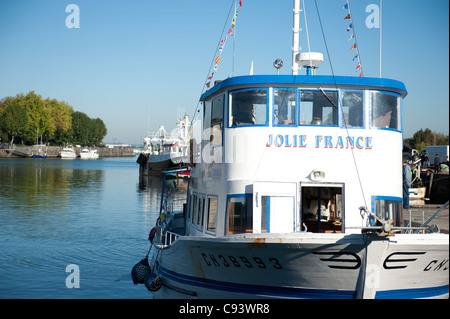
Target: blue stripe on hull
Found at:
x=258, y=290
x=416, y=293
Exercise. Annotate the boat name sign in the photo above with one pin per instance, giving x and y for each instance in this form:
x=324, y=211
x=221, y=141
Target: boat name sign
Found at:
x=320, y=141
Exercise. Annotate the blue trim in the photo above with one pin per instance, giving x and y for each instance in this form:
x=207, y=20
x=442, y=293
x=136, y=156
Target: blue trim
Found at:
x=275, y=291
x=349, y=82
x=375, y=197
x=428, y=292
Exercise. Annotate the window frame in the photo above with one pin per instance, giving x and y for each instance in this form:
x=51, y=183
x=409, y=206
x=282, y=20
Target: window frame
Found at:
x=364, y=108
x=297, y=113
x=371, y=109
x=249, y=204
x=230, y=107
x=300, y=107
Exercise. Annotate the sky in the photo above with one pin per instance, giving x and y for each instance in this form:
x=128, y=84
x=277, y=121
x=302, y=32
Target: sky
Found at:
x=139, y=64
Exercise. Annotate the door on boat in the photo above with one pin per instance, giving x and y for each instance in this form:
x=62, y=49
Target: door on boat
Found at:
x=321, y=207
x=274, y=207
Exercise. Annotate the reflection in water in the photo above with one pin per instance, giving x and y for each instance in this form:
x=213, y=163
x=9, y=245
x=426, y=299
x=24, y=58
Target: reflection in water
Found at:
x=42, y=195
x=94, y=214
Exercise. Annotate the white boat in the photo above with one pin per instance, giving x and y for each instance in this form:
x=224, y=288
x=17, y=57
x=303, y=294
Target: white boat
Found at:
x=68, y=152
x=88, y=154
x=288, y=203
x=164, y=150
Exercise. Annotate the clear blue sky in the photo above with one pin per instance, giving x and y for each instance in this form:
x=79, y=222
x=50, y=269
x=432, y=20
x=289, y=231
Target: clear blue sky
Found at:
x=139, y=63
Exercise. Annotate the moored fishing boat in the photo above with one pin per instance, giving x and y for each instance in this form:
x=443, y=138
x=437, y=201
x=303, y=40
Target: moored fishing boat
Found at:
x=284, y=201
x=165, y=151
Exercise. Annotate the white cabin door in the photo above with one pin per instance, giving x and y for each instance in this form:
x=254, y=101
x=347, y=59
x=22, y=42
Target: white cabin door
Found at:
x=274, y=207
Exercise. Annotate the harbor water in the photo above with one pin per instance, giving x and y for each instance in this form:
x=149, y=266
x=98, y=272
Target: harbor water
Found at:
x=74, y=228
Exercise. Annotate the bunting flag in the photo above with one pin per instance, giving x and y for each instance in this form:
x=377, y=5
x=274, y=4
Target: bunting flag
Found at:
x=353, y=36
x=222, y=45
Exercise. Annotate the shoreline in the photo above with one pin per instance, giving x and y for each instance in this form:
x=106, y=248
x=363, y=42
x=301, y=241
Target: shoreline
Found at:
x=53, y=151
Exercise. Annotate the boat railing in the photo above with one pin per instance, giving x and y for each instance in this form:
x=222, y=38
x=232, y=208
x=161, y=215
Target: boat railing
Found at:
x=387, y=227
x=169, y=238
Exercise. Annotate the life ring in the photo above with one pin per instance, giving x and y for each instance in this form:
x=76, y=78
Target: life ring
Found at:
x=151, y=236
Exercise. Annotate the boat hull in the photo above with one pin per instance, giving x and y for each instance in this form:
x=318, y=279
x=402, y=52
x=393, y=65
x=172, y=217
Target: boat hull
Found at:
x=310, y=266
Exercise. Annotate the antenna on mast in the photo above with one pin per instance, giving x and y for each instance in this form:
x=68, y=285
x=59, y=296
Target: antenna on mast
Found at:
x=295, y=40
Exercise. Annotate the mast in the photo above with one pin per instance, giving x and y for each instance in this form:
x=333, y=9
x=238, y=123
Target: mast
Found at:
x=295, y=40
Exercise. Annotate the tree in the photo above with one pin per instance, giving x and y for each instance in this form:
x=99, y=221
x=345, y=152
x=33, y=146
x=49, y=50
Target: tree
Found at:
x=60, y=125
x=14, y=121
x=423, y=138
x=100, y=131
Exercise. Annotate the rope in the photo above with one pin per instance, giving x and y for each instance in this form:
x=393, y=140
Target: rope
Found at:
x=211, y=65
x=342, y=111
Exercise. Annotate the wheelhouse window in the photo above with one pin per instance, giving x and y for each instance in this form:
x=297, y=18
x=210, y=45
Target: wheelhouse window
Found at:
x=239, y=215
x=385, y=110
x=318, y=108
x=352, y=107
x=284, y=106
x=248, y=107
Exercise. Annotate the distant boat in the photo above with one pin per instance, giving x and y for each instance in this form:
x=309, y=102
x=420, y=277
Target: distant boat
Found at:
x=164, y=151
x=41, y=153
x=68, y=152
x=88, y=154
x=39, y=156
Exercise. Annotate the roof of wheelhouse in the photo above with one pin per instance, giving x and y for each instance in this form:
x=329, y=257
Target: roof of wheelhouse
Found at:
x=348, y=82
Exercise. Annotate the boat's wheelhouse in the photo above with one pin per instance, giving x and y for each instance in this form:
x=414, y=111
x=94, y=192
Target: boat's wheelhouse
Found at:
x=283, y=154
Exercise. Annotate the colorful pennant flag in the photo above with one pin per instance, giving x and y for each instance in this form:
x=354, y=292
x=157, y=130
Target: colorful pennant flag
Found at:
x=358, y=66
x=353, y=46
x=240, y=3
x=350, y=27
x=347, y=16
x=345, y=6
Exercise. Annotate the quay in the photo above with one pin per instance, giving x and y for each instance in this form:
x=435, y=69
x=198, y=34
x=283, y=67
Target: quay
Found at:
x=420, y=213
x=53, y=151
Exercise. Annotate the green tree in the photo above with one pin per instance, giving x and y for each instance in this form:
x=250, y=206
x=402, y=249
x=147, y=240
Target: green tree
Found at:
x=423, y=138
x=100, y=131
x=82, y=128
x=60, y=125
x=14, y=121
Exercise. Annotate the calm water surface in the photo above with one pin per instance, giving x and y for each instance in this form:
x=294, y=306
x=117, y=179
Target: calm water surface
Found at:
x=91, y=213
